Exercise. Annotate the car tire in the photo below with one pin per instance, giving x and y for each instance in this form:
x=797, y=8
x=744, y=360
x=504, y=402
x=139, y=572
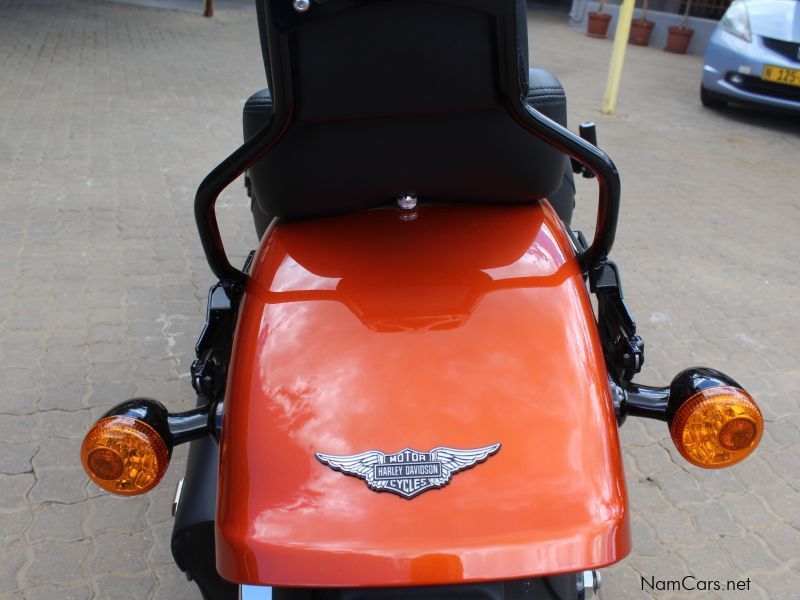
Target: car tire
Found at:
x=711, y=99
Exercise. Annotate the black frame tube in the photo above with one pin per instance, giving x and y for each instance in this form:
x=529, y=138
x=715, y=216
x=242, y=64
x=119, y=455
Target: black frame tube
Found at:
x=598, y=162
x=244, y=157
x=280, y=20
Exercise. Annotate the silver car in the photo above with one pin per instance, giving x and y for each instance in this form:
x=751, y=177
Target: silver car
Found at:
x=753, y=56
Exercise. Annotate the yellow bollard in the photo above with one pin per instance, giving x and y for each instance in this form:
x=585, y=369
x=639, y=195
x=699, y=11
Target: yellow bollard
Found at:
x=624, y=18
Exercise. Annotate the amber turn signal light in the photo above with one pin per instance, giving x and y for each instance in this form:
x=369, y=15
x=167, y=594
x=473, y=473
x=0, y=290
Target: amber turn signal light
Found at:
x=717, y=427
x=124, y=455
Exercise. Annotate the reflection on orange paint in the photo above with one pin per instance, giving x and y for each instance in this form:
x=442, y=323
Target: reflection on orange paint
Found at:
x=464, y=327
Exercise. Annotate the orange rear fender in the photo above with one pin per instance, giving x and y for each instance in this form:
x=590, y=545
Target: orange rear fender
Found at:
x=461, y=327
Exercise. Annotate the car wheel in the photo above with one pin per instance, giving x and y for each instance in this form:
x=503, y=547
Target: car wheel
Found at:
x=711, y=99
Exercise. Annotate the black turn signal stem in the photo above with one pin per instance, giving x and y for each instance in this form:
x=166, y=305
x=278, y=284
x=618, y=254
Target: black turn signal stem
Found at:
x=647, y=401
x=640, y=401
x=173, y=428
x=661, y=403
x=196, y=423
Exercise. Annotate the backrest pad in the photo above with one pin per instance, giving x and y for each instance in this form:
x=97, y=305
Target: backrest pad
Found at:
x=391, y=97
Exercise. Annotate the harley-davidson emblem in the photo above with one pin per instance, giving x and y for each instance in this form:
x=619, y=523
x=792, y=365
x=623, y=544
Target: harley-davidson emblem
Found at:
x=407, y=473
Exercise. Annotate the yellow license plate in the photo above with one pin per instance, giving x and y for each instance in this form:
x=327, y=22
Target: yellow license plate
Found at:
x=781, y=75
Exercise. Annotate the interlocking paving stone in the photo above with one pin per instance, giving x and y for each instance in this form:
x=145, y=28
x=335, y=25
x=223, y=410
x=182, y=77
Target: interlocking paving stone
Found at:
x=59, y=484
x=679, y=487
x=111, y=114
x=783, y=542
x=16, y=458
x=12, y=559
x=14, y=490
x=718, y=483
x=646, y=542
x=12, y=523
x=58, y=522
x=704, y=564
x=675, y=531
x=58, y=592
x=119, y=552
x=645, y=494
x=172, y=585
x=57, y=562
x=713, y=519
x=117, y=514
x=112, y=587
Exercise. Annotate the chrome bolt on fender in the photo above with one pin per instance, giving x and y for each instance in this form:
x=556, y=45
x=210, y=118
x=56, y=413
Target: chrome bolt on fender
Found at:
x=301, y=5
x=407, y=202
x=589, y=583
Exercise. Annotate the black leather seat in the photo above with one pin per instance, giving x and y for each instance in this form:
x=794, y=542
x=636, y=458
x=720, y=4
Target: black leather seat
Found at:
x=399, y=97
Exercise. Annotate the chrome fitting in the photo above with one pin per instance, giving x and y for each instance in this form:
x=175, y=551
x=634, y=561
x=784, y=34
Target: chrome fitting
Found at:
x=591, y=583
x=177, y=499
x=301, y=6
x=407, y=202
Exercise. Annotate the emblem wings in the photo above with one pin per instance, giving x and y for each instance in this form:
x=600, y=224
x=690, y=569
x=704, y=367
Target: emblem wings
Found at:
x=360, y=465
x=452, y=460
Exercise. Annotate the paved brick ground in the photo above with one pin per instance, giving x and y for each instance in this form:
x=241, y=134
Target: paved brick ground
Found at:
x=110, y=115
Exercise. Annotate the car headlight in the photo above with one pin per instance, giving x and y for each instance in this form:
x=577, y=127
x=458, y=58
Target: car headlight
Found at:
x=735, y=21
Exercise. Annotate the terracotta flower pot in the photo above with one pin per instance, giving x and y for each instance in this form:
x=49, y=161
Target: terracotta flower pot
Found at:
x=641, y=30
x=678, y=39
x=598, y=24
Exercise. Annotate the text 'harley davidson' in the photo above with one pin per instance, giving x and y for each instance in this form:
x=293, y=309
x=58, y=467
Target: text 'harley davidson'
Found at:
x=405, y=391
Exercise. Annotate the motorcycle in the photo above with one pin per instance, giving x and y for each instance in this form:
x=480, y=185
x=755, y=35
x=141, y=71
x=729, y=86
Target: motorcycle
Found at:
x=406, y=391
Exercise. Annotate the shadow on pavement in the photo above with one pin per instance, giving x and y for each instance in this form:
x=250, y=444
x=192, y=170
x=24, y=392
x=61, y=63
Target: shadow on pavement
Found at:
x=774, y=120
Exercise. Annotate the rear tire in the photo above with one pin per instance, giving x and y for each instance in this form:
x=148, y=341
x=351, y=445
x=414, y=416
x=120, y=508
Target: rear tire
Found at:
x=554, y=587
x=711, y=99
